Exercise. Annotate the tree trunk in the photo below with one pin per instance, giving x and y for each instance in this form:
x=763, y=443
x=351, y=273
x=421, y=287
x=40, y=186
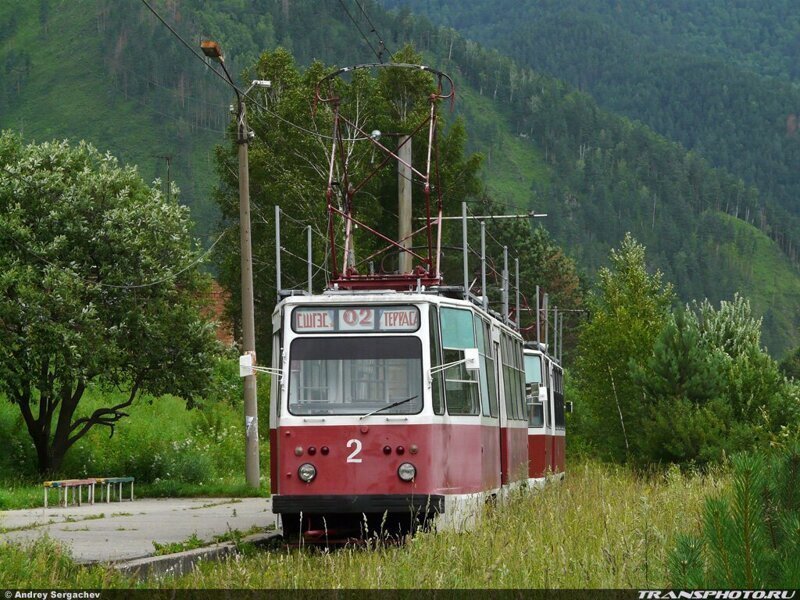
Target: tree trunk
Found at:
x=48, y=459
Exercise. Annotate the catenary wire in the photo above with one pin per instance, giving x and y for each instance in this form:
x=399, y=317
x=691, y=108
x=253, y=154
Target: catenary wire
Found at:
x=375, y=52
x=381, y=42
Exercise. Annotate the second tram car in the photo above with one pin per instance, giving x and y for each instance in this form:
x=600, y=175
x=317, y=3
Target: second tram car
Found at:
x=544, y=381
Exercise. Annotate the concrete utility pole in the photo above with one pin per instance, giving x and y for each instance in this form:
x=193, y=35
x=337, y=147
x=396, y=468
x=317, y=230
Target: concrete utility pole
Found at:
x=404, y=201
x=243, y=136
x=252, y=460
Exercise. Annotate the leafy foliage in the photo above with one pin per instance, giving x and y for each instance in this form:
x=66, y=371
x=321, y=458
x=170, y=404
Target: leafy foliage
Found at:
x=684, y=418
x=98, y=284
x=627, y=312
x=694, y=74
x=545, y=143
x=687, y=388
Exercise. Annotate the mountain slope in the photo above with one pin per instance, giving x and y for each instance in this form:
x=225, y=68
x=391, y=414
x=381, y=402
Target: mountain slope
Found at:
x=633, y=58
x=129, y=86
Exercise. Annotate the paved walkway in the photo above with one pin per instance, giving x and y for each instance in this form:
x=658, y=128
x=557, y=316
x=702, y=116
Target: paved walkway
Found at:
x=125, y=530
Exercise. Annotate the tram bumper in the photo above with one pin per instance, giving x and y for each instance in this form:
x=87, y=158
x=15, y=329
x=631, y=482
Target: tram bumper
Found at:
x=357, y=504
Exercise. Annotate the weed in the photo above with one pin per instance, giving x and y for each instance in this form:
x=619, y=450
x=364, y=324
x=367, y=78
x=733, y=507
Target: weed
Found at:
x=171, y=548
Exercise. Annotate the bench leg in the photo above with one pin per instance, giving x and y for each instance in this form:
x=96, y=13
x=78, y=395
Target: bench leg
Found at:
x=131, y=491
x=45, y=497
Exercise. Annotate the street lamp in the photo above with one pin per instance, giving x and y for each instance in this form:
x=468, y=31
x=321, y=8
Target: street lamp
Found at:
x=243, y=135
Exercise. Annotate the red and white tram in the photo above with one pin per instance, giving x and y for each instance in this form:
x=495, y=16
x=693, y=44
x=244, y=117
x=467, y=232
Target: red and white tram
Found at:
x=381, y=417
x=396, y=401
x=544, y=381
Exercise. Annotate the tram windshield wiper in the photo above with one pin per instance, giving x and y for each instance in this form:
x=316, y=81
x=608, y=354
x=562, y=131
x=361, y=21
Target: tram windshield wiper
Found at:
x=388, y=406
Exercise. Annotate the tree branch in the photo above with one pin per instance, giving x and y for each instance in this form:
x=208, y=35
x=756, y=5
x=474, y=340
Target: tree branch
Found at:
x=102, y=416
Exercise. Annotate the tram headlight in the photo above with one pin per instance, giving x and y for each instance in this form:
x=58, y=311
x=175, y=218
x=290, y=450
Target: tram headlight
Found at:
x=307, y=472
x=406, y=471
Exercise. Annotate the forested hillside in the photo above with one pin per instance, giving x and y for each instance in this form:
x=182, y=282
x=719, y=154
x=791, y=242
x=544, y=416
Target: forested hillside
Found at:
x=694, y=72
x=108, y=71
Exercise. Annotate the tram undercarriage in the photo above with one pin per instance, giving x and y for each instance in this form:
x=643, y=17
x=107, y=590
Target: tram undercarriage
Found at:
x=331, y=519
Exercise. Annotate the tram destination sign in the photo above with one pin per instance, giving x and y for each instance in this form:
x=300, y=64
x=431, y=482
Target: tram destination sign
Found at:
x=355, y=319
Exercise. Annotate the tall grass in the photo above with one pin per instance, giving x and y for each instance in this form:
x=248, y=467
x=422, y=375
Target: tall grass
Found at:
x=603, y=527
x=44, y=564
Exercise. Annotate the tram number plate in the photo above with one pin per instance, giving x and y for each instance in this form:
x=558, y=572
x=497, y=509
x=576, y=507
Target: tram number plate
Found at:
x=357, y=319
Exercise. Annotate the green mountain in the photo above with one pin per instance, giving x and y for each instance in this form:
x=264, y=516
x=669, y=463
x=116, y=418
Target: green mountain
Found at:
x=703, y=74
x=109, y=72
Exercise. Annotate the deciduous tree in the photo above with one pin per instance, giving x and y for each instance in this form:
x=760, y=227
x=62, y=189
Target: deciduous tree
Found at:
x=628, y=311
x=98, y=284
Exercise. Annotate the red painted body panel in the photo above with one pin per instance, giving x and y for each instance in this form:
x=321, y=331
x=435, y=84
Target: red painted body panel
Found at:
x=515, y=444
x=273, y=461
x=446, y=459
x=538, y=452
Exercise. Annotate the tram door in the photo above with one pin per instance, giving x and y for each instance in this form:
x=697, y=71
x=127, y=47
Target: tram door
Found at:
x=549, y=424
x=501, y=406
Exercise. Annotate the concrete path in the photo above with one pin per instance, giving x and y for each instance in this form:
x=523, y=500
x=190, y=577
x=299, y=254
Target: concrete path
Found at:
x=125, y=530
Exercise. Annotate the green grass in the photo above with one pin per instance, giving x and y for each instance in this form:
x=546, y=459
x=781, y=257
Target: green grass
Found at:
x=193, y=542
x=512, y=165
x=171, y=451
x=603, y=527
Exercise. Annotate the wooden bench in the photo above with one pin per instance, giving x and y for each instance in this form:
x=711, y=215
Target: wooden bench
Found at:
x=110, y=482
x=65, y=485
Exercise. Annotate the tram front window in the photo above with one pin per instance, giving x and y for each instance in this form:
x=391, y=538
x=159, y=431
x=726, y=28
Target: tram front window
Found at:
x=355, y=375
x=533, y=377
x=533, y=370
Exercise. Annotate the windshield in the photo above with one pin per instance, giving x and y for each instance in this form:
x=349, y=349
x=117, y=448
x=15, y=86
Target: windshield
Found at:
x=355, y=375
x=533, y=369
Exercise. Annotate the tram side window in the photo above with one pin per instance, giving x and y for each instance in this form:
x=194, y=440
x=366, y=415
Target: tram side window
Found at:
x=484, y=374
x=436, y=360
x=558, y=398
x=489, y=368
x=461, y=385
x=519, y=374
x=274, y=387
x=509, y=378
x=550, y=390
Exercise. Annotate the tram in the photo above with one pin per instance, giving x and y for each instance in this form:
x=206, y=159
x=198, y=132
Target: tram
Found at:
x=544, y=384
x=399, y=402
x=396, y=408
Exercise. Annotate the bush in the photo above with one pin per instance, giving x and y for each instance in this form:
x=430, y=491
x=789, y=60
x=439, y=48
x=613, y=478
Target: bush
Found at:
x=161, y=442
